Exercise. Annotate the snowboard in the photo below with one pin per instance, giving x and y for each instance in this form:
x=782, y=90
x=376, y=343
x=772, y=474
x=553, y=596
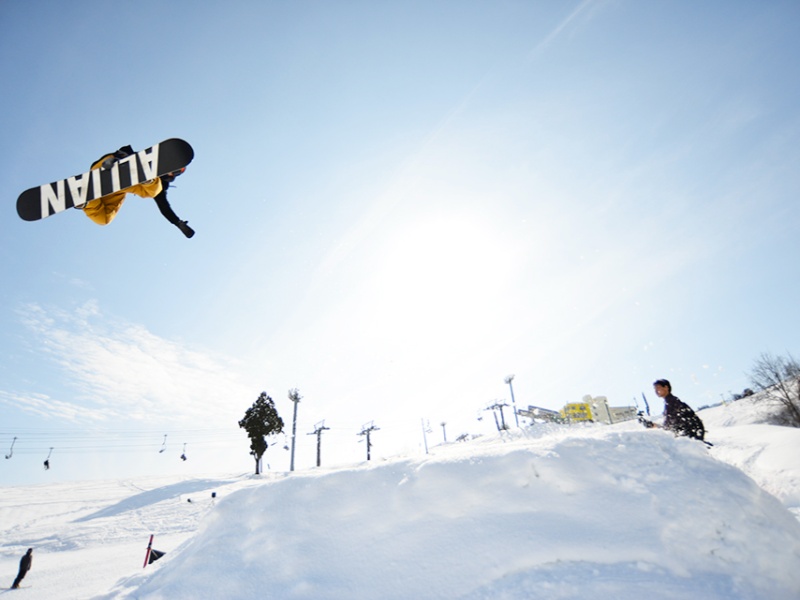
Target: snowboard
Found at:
x=165, y=157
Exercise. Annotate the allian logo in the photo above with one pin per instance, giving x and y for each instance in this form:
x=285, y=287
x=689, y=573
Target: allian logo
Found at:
x=80, y=189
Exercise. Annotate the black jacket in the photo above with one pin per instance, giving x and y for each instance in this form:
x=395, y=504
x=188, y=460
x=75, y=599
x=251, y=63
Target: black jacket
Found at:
x=25, y=563
x=681, y=419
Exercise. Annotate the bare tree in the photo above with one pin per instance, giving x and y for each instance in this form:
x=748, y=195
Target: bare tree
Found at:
x=778, y=377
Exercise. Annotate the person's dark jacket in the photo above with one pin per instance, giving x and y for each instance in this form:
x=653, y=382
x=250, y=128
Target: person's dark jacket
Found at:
x=681, y=419
x=25, y=562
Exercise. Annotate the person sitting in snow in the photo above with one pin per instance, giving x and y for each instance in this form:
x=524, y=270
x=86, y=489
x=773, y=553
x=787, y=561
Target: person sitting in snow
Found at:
x=678, y=416
x=103, y=210
x=24, y=566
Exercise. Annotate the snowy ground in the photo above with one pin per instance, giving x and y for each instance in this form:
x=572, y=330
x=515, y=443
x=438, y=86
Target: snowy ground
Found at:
x=583, y=512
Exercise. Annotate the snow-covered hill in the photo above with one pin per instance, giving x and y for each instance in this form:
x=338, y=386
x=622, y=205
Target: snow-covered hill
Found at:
x=767, y=453
x=548, y=512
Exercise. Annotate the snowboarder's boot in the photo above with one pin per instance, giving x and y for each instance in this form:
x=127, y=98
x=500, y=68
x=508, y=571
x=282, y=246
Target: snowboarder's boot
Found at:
x=170, y=177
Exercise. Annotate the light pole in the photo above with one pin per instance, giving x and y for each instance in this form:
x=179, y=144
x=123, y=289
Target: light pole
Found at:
x=294, y=396
x=508, y=380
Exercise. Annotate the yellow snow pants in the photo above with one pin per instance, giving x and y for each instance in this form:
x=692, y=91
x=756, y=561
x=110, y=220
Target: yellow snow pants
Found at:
x=103, y=210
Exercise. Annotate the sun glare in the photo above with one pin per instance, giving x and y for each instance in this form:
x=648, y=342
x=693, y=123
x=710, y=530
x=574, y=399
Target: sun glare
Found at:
x=441, y=283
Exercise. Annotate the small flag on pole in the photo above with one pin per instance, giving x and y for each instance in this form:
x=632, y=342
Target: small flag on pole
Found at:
x=147, y=554
x=152, y=554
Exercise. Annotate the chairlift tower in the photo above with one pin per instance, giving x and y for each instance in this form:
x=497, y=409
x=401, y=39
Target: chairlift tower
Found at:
x=366, y=430
x=501, y=425
x=318, y=429
x=509, y=381
x=426, y=429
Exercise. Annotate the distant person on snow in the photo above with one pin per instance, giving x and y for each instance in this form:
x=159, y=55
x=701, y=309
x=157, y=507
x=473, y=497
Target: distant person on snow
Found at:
x=103, y=210
x=24, y=566
x=678, y=416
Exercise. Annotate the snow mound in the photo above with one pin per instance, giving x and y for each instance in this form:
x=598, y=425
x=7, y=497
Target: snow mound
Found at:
x=601, y=513
x=751, y=410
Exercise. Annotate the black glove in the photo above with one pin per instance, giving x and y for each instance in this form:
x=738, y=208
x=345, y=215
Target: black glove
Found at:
x=123, y=152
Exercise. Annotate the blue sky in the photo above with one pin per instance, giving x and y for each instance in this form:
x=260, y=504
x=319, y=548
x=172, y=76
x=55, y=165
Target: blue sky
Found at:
x=396, y=205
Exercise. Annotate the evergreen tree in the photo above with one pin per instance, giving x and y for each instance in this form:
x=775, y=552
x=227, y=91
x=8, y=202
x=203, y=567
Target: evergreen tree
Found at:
x=261, y=420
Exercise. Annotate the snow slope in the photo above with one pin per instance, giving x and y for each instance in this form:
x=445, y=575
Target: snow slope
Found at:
x=85, y=535
x=767, y=453
x=549, y=512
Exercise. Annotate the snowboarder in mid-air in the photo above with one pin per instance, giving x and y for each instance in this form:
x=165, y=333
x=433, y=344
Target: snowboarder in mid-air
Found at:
x=103, y=210
x=678, y=416
x=24, y=566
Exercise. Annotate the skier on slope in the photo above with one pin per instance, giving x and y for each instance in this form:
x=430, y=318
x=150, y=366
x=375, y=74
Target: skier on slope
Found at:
x=103, y=210
x=24, y=566
x=678, y=416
